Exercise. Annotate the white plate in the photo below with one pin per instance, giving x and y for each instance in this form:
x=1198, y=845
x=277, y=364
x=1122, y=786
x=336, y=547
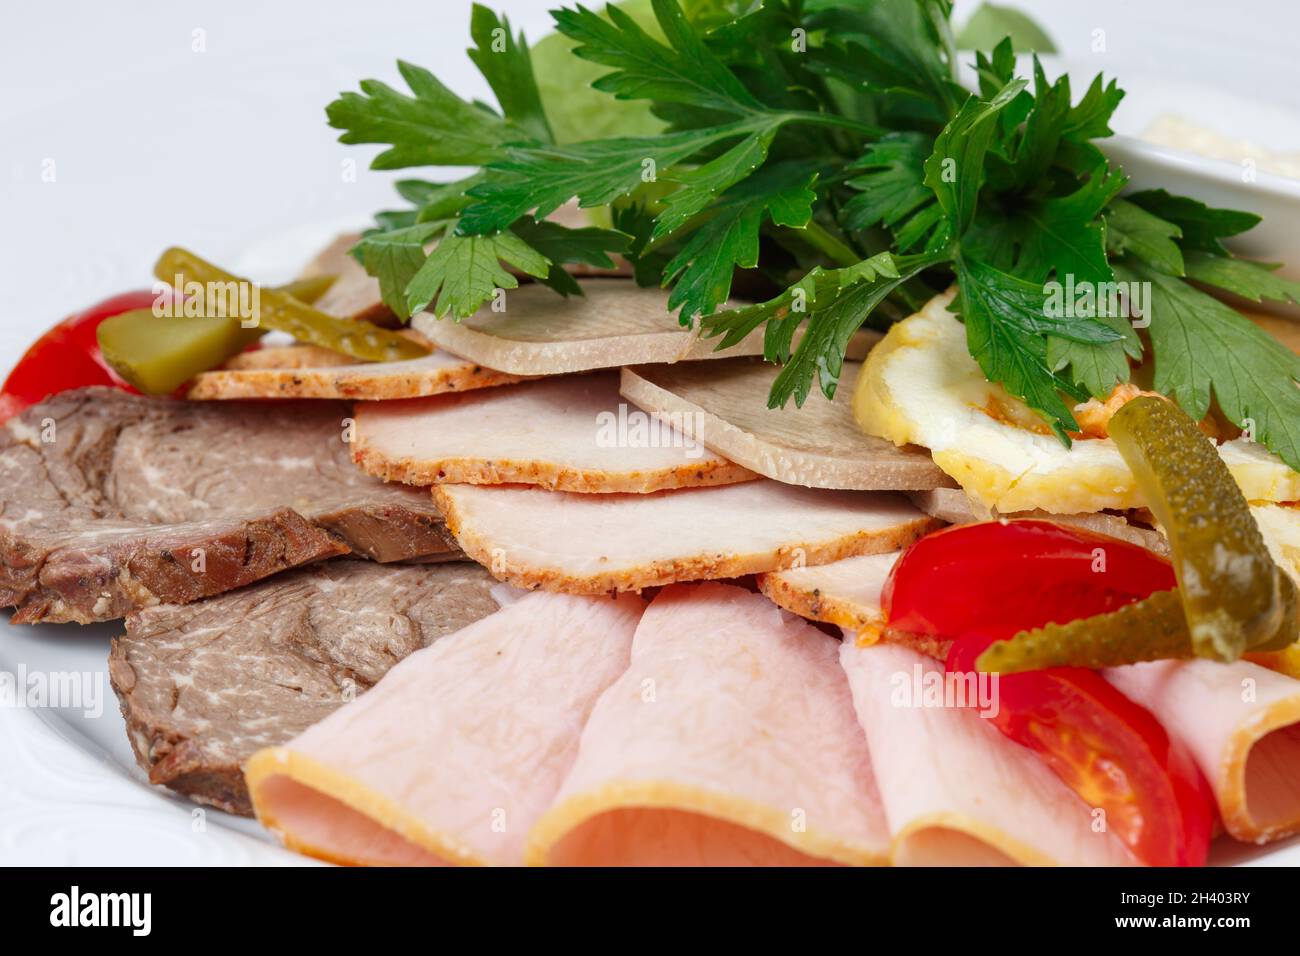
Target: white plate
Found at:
x=130, y=125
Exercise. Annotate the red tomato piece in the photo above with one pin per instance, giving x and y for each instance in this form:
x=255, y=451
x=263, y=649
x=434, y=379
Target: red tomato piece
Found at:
x=67, y=356
x=1110, y=751
x=984, y=582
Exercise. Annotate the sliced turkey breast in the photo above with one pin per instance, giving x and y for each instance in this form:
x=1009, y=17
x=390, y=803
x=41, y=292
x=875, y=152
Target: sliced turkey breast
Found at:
x=457, y=751
x=818, y=445
x=845, y=593
x=307, y=371
x=730, y=740
x=589, y=544
x=571, y=433
x=956, y=792
x=1241, y=723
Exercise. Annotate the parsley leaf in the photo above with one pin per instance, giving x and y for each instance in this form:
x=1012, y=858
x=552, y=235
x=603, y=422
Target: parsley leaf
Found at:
x=433, y=128
x=463, y=272
x=504, y=61
x=541, y=179
x=1006, y=325
x=1132, y=230
x=682, y=72
x=394, y=257
x=1250, y=280
x=588, y=246
x=1202, y=226
x=893, y=185
x=703, y=268
x=955, y=170
x=1206, y=350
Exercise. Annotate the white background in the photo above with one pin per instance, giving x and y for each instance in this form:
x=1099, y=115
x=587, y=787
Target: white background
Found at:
x=227, y=151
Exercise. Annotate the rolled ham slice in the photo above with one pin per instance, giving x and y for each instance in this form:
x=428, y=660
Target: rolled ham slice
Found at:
x=729, y=740
x=1241, y=723
x=955, y=791
x=590, y=544
x=570, y=433
x=818, y=445
x=457, y=751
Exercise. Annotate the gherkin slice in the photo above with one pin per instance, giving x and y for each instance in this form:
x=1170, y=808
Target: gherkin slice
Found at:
x=158, y=354
x=275, y=310
x=1148, y=630
x=1234, y=596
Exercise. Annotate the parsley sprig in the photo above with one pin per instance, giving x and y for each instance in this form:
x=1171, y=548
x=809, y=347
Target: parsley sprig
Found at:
x=823, y=154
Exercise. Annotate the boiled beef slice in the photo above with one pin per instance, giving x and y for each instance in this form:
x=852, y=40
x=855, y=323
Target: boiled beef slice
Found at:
x=203, y=686
x=111, y=502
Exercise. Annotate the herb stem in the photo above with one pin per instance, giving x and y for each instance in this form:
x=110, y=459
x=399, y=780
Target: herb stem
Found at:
x=821, y=239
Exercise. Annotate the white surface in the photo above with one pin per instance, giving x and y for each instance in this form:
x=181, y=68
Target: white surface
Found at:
x=226, y=151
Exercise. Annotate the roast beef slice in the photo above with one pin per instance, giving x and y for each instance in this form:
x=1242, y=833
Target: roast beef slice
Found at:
x=203, y=686
x=111, y=502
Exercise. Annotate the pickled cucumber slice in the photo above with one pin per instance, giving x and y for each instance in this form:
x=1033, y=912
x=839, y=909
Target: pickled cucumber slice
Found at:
x=158, y=354
x=1148, y=630
x=1234, y=596
x=281, y=312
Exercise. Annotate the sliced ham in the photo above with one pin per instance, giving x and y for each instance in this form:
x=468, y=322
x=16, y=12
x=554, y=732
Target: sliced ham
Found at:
x=955, y=790
x=615, y=322
x=730, y=740
x=845, y=593
x=590, y=544
x=570, y=433
x=818, y=445
x=1241, y=723
x=454, y=755
x=312, y=372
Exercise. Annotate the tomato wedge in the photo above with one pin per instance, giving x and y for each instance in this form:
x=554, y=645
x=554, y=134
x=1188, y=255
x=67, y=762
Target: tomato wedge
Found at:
x=986, y=582
x=67, y=356
x=1110, y=751
x=1006, y=576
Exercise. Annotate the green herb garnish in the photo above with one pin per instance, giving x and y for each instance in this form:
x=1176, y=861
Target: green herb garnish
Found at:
x=827, y=146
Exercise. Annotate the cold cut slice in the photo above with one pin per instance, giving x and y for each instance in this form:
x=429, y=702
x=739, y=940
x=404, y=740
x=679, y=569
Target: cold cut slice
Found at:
x=203, y=686
x=729, y=740
x=615, y=322
x=590, y=544
x=1241, y=723
x=845, y=593
x=818, y=445
x=111, y=502
x=305, y=371
x=956, y=792
x=459, y=749
x=570, y=433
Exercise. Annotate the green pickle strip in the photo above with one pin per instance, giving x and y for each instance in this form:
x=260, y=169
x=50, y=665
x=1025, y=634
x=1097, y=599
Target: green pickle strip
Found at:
x=1149, y=630
x=281, y=312
x=1231, y=596
x=1234, y=596
x=159, y=354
